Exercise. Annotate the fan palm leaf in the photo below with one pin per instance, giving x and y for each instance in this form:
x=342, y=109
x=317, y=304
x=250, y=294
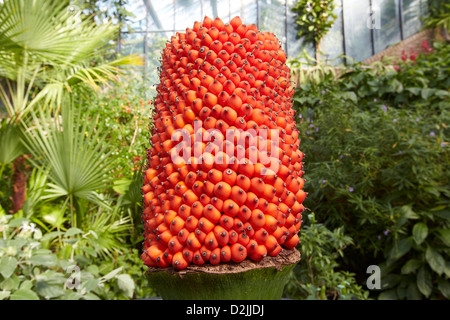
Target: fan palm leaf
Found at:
x=43, y=54
x=74, y=153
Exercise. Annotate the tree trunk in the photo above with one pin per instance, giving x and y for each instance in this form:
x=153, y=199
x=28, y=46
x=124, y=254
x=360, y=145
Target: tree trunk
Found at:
x=20, y=183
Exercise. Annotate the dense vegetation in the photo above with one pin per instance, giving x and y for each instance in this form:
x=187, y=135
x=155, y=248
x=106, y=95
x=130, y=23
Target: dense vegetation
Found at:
x=377, y=163
x=73, y=138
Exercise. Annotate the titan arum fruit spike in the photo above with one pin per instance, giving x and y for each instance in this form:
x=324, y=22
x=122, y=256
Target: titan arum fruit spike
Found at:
x=224, y=178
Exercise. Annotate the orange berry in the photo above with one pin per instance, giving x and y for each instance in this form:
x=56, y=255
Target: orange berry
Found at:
x=212, y=214
x=225, y=254
x=238, y=252
x=178, y=261
x=215, y=256
x=257, y=219
x=222, y=190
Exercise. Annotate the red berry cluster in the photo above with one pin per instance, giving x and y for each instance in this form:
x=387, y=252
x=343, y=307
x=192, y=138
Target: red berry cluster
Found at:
x=213, y=191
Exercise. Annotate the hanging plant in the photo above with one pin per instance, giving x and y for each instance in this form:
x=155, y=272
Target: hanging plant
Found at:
x=314, y=19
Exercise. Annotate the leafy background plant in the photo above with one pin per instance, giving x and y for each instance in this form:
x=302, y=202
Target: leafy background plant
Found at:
x=376, y=140
x=314, y=19
x=377, y=159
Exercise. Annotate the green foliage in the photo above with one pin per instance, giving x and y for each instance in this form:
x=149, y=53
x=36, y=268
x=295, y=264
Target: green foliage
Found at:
x=439, y=15
x=84, y=188
x=314, y=19
x=377, y=161
x=72, y=150
x=46, y=51
x=316, y=277
x=29, y=270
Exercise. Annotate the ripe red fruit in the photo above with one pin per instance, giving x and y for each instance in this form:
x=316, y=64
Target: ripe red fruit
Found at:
x=224, y=177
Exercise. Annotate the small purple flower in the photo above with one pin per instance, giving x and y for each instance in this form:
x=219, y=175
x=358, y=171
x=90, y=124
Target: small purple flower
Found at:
x=386, y=232
x=384, y=108
x=432, y=134
x=350, y=189
x=317, y=129
x=323, y=92
x=417, y=119
x=395, y=120
x=307, y=119
x=342, y=156
x=311, y=125
x=324, y=181
x=320, y=101
x=442, y=144
x=375, y=100
x=400, y=152
x=300, y=116
x=379, y=237
x=307, y=132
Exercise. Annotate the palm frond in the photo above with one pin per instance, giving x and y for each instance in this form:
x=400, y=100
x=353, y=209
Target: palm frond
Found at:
x=10, y=144
x=73, y=151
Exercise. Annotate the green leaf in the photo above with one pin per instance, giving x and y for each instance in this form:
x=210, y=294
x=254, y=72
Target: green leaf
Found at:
x=388, y=295
x=4, y=294
x=412, y=292
x=7, y=266
x=400, y=248
x=420, y=232
x=48, y=291
x=447, y=269
x=411, y=266
x=45, y=260
x=73, y=231
x=10, y=284
x=111, y=275
x=90, y=284
x=444, y=214
x=441, y=93
x=414, y=90
x=24, y=294
x=427, y=92
x=435, y=260
x=444, y=287
x=17, y=222
x=51, y=235
x=121, y=186
x=27, y=284
x=350, y=96
x=424, y=282
x=444, y=235
x=126, y=284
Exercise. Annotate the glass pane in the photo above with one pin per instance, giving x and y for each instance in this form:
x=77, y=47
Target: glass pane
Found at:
x=424, y=8
x=389, y=29
x=186, y=13
x=138, y=9
x=161, y=14
x=272, y=18
x=411, y=17
x=156, y=42
x=332, y=44
x=245, y=9
x=294, y=44
x=132, y=43
x=357, y=28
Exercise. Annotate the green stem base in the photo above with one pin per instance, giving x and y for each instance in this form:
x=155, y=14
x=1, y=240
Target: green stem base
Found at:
x=248, y=280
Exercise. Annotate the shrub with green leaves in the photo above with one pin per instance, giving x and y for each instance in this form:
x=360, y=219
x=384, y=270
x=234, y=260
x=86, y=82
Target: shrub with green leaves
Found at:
x=314, y=19
x=377, y=163
x=317, y=275
x=29, y=270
